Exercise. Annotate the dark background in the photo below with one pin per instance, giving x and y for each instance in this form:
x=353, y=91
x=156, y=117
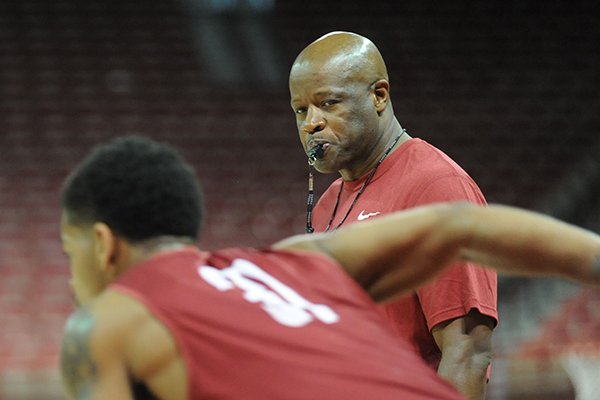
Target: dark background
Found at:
x=507, y=89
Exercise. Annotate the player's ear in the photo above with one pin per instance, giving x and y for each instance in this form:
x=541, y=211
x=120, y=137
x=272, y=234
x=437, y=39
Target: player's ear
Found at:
x=106, y=247
x=381, y=95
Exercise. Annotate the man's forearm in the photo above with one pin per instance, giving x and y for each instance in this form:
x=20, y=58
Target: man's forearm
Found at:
x=469, y=378
x=525, y=243
x=398, y=252
x=466, y=346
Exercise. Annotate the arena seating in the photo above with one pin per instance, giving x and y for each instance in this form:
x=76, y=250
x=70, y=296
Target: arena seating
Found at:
x=510, y=93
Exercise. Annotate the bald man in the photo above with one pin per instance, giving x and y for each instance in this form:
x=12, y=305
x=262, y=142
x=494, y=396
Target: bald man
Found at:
x=340, y=94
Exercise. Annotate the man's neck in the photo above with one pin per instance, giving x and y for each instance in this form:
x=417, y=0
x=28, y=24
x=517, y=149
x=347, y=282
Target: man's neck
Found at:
x=393, y=131
x=144, y=250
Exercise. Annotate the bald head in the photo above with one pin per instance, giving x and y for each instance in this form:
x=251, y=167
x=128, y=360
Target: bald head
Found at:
x=339, y=92
x=352, y=56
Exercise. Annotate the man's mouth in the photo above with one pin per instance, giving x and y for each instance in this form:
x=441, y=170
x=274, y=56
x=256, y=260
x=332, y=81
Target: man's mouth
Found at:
x=318, y=148
x=316, y=152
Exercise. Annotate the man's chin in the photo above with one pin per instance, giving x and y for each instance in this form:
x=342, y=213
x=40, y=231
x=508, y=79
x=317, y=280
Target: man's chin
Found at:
x=325, y=169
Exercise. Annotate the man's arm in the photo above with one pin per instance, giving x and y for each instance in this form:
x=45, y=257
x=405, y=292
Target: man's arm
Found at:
x=390, y=255
x=91, y=368
x=466, y=345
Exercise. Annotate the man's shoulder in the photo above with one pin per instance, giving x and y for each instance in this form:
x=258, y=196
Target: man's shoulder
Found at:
x=426, y=165
x=110, y=317
x=95, y=333
x=430, y=157
x=112, y=333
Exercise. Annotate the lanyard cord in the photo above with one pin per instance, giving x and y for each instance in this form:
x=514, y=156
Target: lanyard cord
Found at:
x=309, y=203
x=310, y=200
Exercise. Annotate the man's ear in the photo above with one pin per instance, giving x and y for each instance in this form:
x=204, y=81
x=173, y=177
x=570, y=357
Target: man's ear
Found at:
x=106, y=247
x=381, y=91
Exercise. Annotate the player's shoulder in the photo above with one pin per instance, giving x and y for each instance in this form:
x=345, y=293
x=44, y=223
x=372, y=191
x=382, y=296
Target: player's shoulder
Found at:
x=107, y=321
x=95, y=336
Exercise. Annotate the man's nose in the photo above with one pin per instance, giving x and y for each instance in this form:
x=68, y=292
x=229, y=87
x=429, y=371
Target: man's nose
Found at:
x=315, y=121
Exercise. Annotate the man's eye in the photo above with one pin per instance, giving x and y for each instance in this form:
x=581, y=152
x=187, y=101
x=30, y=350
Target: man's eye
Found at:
x=329, y=102
x=300, y=110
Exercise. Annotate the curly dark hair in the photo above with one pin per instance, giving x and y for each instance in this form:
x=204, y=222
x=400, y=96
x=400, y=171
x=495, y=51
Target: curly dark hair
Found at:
x=140, y=188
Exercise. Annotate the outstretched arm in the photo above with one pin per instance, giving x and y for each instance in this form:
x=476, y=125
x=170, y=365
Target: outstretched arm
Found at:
x=392, y=254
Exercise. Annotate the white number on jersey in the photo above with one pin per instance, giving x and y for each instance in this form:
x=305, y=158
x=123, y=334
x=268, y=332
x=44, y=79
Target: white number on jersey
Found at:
x=281, y=302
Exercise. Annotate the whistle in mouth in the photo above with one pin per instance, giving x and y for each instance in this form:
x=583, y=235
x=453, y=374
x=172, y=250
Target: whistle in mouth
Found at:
x=315, y=153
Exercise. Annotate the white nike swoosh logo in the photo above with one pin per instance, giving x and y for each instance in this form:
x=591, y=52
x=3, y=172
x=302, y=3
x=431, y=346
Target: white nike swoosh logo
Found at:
x=362, y=216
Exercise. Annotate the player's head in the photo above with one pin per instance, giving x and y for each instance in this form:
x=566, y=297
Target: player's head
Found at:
x=339, y=92
x=131, y=193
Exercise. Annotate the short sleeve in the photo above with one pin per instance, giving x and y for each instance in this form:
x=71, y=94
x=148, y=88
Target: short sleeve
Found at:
x=464, y=286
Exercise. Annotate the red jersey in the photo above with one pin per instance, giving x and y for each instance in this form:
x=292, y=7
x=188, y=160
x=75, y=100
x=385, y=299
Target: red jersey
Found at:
x=277, y=325
x=416, y=174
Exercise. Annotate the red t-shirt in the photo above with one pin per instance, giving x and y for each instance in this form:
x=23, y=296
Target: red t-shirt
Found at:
x=277, y=325
x=415, y=174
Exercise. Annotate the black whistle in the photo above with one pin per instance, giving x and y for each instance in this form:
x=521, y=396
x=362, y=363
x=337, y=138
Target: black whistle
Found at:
x=315, y=153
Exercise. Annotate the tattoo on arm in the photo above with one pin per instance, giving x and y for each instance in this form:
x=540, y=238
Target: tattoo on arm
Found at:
x=76, y=363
